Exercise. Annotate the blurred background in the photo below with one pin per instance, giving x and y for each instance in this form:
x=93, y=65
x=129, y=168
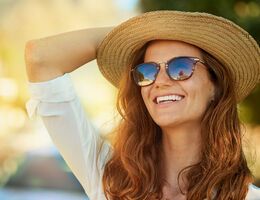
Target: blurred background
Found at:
x=30, y=166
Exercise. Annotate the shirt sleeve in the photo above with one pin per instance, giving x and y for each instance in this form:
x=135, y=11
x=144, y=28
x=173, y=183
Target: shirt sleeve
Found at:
x=71, y=131
x=253, y=193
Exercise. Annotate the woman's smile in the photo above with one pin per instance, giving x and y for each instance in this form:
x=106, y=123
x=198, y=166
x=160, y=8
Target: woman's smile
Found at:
x=168, y=101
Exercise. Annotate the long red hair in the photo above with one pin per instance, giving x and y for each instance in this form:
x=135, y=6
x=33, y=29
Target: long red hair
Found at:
x=133, y=172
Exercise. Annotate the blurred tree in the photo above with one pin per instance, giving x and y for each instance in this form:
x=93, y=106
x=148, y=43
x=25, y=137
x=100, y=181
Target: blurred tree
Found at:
x=245, y=13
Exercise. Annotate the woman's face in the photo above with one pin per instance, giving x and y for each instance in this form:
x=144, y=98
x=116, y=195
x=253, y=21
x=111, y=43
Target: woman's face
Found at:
x=195, y=92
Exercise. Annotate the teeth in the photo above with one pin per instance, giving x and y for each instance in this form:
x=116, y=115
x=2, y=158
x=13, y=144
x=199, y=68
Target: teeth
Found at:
x=168, y=98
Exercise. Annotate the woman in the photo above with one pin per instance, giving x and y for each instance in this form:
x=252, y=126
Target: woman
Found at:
x=180, y=76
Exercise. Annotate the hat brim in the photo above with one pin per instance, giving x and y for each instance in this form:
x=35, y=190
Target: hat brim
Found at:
x=223, y=39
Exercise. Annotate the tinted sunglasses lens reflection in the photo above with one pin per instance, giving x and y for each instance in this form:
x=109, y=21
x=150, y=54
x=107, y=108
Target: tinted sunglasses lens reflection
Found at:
x=145, y=74
x=180, y=68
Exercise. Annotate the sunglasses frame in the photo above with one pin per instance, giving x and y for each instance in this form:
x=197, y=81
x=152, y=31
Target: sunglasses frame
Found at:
x=158, y=66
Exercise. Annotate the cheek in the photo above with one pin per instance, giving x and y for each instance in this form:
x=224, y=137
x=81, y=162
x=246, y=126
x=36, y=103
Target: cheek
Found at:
x=145, y=95
x=200, y=93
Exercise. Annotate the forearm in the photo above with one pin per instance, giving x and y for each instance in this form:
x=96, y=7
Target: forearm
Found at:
x=52, y=56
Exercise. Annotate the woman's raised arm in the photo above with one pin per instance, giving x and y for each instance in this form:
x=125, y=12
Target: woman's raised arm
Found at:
x=50, y=57
x=53, y=98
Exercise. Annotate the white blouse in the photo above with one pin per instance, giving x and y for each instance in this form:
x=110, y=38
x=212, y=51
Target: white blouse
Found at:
x=74, y=135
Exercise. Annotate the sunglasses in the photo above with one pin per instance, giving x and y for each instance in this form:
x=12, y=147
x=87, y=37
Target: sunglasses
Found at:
x=178, y=68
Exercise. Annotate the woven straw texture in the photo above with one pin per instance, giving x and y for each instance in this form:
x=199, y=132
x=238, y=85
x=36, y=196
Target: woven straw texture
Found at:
x=223, y=39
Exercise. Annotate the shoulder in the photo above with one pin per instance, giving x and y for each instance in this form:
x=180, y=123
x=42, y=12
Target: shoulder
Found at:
x=253, y=192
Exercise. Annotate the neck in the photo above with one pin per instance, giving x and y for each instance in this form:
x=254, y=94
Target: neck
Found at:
x=181, y=148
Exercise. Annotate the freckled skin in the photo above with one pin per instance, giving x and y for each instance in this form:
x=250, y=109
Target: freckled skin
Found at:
x=198, y=89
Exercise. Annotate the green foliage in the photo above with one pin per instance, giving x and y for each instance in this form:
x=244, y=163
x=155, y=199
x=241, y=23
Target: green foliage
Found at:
x=245, y=13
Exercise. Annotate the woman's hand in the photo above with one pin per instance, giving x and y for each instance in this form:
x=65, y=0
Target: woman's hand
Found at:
x=50, y=57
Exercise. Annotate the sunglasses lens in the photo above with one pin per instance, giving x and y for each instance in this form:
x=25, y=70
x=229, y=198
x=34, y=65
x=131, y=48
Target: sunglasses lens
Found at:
x=180, y=68
x=145, y=74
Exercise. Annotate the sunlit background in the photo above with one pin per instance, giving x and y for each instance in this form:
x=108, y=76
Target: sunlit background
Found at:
x=29, y=164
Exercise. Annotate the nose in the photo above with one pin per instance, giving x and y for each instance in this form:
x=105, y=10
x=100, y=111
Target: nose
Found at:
x=162, y=76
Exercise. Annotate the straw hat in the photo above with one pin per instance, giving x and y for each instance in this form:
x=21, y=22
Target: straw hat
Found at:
x=223, y=39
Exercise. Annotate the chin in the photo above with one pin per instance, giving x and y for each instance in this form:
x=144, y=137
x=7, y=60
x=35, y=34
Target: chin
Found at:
x=167, y=122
